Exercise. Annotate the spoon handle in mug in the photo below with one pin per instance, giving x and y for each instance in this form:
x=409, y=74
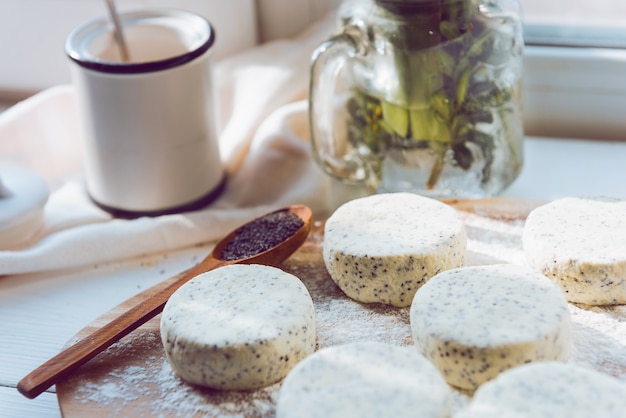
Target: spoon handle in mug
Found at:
x=119, y=32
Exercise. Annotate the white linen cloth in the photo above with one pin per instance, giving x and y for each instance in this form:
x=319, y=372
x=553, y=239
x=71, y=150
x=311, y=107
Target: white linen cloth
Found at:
x=264, y=144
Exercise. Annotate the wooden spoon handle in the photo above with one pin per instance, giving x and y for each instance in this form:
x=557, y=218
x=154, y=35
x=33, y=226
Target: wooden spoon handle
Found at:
x=136, y=311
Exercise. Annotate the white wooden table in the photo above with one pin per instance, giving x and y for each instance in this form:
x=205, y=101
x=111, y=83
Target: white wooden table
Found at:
x=40, y=312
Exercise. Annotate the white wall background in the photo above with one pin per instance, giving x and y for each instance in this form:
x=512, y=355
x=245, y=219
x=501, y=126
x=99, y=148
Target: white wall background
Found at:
x=279, y=18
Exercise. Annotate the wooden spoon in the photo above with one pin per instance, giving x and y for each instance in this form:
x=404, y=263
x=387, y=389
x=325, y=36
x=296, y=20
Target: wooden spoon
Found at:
x=150, y=302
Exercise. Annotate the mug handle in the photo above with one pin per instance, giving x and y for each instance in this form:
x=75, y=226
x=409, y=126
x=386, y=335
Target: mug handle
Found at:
x=333, y=152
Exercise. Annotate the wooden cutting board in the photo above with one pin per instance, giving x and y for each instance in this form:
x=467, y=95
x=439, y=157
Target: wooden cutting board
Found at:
x=133, y=379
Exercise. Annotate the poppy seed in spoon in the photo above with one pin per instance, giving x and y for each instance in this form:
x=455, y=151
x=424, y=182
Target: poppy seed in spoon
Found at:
x=261, y=234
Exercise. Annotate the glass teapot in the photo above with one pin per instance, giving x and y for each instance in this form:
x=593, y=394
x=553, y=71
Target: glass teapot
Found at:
x=421, y=96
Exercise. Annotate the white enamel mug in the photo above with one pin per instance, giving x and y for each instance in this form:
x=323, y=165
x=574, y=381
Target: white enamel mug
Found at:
x=150, y=140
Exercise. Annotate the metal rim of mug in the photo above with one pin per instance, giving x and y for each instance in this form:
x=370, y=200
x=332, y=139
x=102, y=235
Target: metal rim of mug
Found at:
x=80, y=38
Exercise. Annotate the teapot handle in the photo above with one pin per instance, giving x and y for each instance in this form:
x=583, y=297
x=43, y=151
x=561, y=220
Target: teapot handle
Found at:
x=333, y=153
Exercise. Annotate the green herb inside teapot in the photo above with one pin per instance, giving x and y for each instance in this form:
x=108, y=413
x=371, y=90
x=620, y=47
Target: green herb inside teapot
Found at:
x=434, y=105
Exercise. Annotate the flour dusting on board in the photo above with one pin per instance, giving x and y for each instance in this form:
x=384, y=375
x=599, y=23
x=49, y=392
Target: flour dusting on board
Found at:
x=143, y=384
